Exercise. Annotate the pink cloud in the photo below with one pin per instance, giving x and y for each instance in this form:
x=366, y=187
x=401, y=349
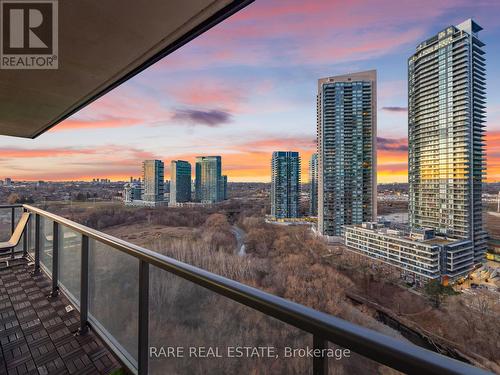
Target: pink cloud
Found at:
x=311, y=32
x=105, y=122
x=21, y=153
x=124, y=107
x=209, y=93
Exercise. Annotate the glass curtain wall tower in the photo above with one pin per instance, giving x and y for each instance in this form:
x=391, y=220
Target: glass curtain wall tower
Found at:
x=347, y=128
x=180, y=181
x=446, y=121
x=208, y=179
x=285, y=184
x=153, y=183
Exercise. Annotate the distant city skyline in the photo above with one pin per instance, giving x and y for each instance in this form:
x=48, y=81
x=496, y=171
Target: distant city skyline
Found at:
x=192, y=103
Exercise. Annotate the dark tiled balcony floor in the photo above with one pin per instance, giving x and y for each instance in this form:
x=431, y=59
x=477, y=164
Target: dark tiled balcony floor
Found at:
x=36, y=333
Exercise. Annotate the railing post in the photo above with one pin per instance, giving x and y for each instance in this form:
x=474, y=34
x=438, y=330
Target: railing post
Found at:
x=84, y=287
x=55, y=260
x=12, y=220
x=25, y=238
x=320, y=363
x=143, y=341
x=12, y=228
x=38, y=235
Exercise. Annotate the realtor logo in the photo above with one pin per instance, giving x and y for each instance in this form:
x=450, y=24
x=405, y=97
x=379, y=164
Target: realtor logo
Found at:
x=29, y=34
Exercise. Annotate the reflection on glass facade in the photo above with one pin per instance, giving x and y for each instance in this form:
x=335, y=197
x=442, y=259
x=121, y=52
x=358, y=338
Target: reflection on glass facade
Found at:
x=209, y=179
x=446, y=111
x=285, y=185
x=313, y=182
x=346, y=151
x=180, y=181
x=153, y=180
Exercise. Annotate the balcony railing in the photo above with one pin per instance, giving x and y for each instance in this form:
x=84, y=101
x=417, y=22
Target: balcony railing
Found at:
x=128, y=294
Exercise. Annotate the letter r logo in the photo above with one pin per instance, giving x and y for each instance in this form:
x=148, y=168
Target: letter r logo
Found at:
x=17, y=28
x=27, y=27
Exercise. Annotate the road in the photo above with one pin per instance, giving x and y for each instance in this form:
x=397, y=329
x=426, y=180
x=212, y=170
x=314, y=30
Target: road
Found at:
x=240, y=240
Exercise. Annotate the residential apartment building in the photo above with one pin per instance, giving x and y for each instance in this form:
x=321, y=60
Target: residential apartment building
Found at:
x=446, y=118
x=209, y=179
x=347, y=128
x=153, y=183
x=132, y=192
x=285, y=184
x=180, y=181
x=419, y=254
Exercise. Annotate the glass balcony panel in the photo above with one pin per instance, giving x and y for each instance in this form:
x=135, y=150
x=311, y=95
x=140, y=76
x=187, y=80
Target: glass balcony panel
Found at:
x=17, y=215
x=20, y=245
x=193, y=330
x=46, y=238
x=5, y=220
x=114, y=296
x=18, y=211
x=70, y=247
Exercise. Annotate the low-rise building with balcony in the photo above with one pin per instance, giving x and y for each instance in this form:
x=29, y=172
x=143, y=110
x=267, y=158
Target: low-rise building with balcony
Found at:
x=419, y=254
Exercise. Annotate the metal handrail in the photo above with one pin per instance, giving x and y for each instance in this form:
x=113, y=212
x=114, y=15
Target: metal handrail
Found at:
x=16, y=205
x=325, y=328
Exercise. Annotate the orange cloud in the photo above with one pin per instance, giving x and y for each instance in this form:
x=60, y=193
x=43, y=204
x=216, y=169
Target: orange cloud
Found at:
x=251, y=161
x=248, y=161
x=493, y=156
x=110, y=122
x=15, y=153
x=397, y=172
x=213, y=94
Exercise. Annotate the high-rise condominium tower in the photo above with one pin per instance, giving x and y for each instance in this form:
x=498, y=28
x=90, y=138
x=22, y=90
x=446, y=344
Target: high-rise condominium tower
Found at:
x=208, y=179
x=285, y=186
x=180, y=181
x=347, y=128
x=446, y=111
x=153, y=181
x=313, y=182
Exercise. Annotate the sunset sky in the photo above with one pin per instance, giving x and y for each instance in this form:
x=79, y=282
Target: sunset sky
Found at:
x=248, y=87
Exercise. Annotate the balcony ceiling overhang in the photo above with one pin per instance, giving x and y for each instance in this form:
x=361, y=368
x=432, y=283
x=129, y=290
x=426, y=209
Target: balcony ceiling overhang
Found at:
x=102, y=43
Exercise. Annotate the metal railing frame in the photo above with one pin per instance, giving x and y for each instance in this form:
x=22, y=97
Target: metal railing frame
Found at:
x=324, y=328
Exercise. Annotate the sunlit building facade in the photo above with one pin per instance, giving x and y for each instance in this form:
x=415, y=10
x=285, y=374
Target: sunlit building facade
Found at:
x=153, y=184
x=347, y=127
x=446, y=116
x=285, y=184
x=180, y=181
